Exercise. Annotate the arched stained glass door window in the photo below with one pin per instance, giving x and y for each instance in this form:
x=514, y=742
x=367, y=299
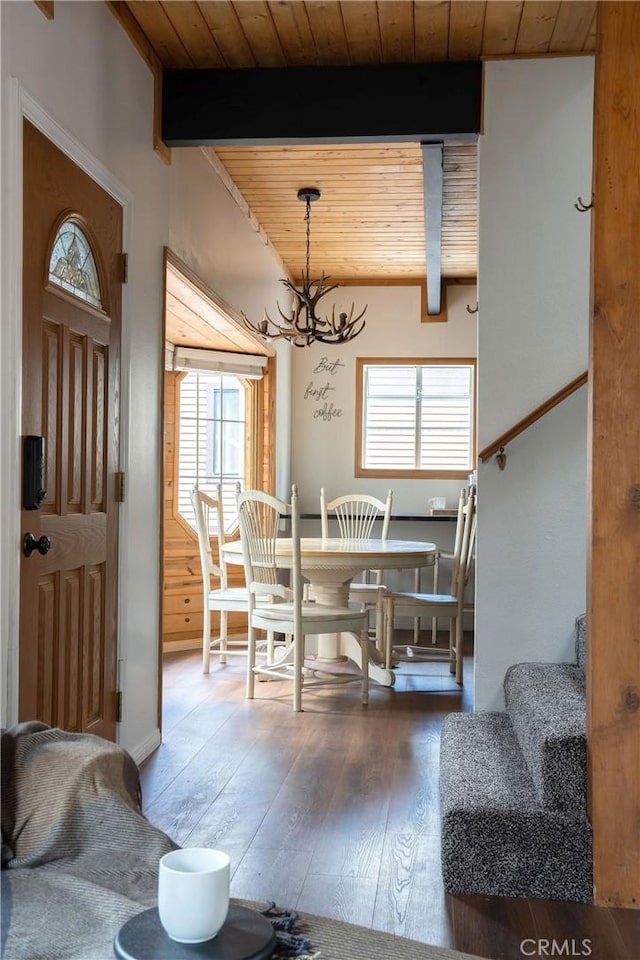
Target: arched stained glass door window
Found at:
x=72, y=265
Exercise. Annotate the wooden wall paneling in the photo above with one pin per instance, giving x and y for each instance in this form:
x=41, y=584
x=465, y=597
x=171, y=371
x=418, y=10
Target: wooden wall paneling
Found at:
x=613, y=646
x=260, y=437
x=182, y=580
x=253, y=433
x=182, y=591
x=268, y=420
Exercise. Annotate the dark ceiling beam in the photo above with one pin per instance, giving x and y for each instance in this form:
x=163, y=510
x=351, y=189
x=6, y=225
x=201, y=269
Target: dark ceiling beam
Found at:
x=408, y=102
x=433, y=180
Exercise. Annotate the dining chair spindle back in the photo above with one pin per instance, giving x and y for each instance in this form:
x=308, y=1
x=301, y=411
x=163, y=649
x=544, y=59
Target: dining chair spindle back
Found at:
x=447, y=605
x=357, y=515
x=209, y=518
x=260, y=516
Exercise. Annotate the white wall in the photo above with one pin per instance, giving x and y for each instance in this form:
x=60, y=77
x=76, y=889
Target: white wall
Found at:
x=83, y=71
x=323, y=450
x=208, y=232
x=534, y=161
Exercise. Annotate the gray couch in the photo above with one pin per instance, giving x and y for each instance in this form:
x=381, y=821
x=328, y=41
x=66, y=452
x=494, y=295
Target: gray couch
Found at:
x=78, y=856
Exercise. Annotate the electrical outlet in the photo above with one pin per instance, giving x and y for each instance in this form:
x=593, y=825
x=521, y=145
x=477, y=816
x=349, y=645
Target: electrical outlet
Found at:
x=282, y=525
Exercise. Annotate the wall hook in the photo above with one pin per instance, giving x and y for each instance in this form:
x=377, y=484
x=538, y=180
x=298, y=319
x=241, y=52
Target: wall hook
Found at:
x=501, y=457
x=470, y=310
x=582, y=206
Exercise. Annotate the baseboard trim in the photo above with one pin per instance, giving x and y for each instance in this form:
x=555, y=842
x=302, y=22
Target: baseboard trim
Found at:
x=146, y=747
x=193, y=643
x=174, y=646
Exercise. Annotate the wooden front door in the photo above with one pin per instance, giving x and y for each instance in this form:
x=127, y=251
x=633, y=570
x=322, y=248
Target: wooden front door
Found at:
x=72, y=240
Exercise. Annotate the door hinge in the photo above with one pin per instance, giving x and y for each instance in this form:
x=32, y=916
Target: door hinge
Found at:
x=119, y=706
x=124, y=267
x=120, y=487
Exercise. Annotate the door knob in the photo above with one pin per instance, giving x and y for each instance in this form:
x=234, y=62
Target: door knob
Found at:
x=29, y=544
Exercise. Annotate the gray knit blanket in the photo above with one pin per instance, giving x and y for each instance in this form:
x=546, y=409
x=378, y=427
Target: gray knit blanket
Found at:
x=78, y=857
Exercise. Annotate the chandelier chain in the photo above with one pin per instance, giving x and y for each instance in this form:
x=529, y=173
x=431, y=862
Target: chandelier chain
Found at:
x=307, y=218
x=302, y=326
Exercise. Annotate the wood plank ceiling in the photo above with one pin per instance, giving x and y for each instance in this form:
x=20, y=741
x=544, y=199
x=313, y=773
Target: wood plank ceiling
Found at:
x=287, y=33
x=369, y=224
x=369, y=221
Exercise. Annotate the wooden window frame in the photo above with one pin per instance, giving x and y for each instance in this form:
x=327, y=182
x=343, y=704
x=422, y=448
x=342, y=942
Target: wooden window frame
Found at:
x=416, y=474
x=258, y=443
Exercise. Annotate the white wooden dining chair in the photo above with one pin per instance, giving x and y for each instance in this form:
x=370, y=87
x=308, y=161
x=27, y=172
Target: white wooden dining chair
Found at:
x=357, y=515
x=449, y=605
x=209, y=517
x=259, y=517
x=450, y=556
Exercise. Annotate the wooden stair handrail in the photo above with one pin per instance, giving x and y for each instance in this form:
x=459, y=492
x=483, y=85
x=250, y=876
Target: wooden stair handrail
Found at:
x=540, y=411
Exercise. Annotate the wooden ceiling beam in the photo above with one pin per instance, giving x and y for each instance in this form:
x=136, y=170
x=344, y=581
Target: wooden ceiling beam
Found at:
x=412, y=102
x=433, y=182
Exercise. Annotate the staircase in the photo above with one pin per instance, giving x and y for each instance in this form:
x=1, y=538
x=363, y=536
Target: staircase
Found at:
x=513, y=789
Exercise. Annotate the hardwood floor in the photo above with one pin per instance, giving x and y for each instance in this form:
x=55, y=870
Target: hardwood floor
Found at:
x=335, y=810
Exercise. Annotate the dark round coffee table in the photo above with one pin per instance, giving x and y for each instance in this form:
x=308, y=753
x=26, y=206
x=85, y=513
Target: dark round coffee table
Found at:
x=245, y=935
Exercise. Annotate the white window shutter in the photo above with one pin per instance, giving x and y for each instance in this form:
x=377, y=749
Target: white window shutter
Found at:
x=418, y=417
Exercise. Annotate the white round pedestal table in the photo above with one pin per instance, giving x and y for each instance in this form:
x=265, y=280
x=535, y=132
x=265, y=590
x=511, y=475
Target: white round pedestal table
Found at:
x=330, y=565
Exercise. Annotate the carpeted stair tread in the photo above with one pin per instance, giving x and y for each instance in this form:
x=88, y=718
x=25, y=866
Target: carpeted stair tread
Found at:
x=547, y=707
x=497, y=839
x=497, y=773
x=581, y=640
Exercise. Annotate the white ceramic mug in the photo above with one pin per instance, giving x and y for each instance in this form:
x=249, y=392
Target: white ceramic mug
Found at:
x=193, y=893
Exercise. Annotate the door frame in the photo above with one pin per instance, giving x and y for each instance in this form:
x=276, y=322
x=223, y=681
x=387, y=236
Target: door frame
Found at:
x=20, y=106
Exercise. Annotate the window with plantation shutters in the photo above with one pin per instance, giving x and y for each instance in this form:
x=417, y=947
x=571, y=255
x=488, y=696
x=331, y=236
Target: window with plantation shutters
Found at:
x=415, y=418
x=211, y=444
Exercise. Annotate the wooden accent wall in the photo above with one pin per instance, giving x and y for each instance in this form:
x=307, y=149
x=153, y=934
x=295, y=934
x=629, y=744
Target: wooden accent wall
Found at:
x=182, y=602
x=266, y=450
x=613, y=674
x=182, y=587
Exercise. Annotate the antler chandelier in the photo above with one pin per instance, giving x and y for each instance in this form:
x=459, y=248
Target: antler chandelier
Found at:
x=302, y=326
